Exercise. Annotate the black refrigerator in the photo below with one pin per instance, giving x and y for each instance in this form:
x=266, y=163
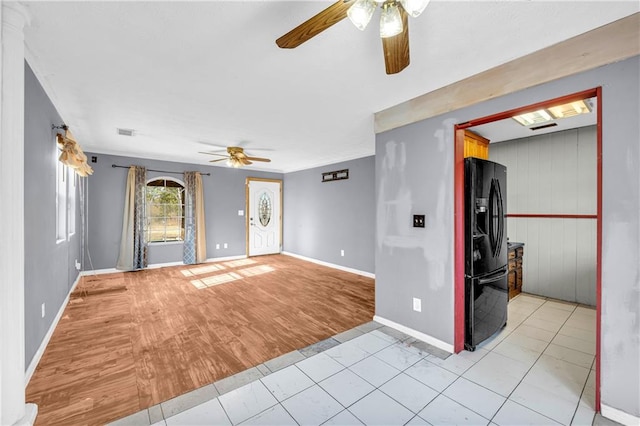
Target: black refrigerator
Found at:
x=486, y=280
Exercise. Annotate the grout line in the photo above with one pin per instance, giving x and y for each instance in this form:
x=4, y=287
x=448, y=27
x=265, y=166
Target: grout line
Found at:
x=488, y=352
x=533, y=365
x=491, y=350
x=161, y=412
x=584, y=387
x=287, y=411
x=223, y=409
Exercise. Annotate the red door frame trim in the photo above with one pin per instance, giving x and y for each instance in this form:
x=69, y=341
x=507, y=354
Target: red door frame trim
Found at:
x=459, y=238
x=599, y=243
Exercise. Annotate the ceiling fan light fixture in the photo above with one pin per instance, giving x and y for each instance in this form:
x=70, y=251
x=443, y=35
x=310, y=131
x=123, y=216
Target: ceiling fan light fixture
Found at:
x=360, y=13
x=390, y=20
x=233, y=162
x=414, y=7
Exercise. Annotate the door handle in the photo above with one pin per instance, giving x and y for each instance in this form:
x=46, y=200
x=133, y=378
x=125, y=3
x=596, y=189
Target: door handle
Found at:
x=495, y=277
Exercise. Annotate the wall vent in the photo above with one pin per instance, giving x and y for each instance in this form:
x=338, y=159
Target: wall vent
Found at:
x=544, y=126
x=125, y=132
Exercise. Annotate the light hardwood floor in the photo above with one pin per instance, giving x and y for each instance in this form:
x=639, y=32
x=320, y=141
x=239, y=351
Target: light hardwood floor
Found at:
x=128, y=341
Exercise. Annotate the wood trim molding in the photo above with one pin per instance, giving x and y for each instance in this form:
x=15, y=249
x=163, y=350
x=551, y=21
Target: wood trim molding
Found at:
x=459, y=242
x=601, y=46
x=599, y=250
x=585, y=94
x=459, y=239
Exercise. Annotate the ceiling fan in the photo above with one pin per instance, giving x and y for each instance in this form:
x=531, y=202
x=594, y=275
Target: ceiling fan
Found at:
x=236, y=157
x=394, y=29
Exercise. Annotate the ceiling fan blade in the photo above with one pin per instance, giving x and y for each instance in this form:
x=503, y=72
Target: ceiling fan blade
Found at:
x=244, y=161
x=220, y=159
x=213, y=145
x=315, y=25
x=396, y=48
x=265, y=160
x=213, y=153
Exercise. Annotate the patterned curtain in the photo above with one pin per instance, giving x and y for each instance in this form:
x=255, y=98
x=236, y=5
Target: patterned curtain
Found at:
x=194, y=248
x=133, y=246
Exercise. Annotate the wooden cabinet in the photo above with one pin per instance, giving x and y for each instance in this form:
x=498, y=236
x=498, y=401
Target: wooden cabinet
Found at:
x=516, y=253
x=475, y=145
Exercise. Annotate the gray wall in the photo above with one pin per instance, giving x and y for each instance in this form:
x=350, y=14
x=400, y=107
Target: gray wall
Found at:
x=49, y=267
x=224, y=194
x=420, y=263
x=322, y=218
x=553, y=174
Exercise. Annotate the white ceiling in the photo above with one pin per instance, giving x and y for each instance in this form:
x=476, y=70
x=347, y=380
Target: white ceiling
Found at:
x=186, y=74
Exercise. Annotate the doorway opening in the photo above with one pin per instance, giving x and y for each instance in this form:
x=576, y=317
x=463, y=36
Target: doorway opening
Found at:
x=459, y=212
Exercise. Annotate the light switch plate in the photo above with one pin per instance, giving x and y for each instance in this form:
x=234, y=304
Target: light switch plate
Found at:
x=417, y=304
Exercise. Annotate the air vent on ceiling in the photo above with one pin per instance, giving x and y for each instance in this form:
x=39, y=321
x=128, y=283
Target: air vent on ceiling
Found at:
x=544, y=126
x=125, y=132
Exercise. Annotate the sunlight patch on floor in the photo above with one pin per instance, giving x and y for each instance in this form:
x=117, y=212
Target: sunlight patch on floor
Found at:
x=241, y=262
x=256, y=270
x=202, y=270
x=225, y=277
x=216, y=280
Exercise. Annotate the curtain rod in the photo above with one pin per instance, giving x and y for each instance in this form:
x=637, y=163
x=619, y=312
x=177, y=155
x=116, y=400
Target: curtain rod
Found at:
x=160, y=171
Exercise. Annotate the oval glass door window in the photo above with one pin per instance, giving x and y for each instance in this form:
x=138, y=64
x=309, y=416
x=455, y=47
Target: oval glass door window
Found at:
x=264, y=209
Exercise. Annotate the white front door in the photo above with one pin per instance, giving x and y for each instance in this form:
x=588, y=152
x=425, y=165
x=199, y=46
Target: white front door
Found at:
x=264, y=216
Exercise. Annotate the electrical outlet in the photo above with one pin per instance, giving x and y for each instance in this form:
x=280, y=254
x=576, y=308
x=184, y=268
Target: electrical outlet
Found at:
x=418, y=221
x=341, y=252
x=240, y=212
x=217, y=246
x=226, y=245
x=43, y=311
x=417, y=304
x=78, y=265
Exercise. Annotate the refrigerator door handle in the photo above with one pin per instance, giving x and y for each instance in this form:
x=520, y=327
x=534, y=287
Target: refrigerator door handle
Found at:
x=500, y=216
x=493, y=277
x=494, y=226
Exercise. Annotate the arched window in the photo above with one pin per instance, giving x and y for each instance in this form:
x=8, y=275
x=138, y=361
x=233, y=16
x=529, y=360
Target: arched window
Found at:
x=165, y=210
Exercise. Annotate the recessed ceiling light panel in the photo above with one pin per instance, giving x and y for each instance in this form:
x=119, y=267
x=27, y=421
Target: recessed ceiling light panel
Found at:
x=535, y=117
x=555, y=112
x=571, y=109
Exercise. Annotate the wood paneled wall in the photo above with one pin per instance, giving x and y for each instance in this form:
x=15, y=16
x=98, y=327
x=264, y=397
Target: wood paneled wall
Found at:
x=553, y=174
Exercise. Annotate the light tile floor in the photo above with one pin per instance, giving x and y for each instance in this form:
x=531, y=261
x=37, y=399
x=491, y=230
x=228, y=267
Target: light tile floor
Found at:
x=538, y=370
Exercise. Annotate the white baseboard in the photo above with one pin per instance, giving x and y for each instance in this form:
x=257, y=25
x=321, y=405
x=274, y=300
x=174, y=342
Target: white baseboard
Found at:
x=30, y=414
x=43, y=345
x=331, y=265
x=417, y=334
x=99, y=271
x=161, y=265
x=619, y=416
